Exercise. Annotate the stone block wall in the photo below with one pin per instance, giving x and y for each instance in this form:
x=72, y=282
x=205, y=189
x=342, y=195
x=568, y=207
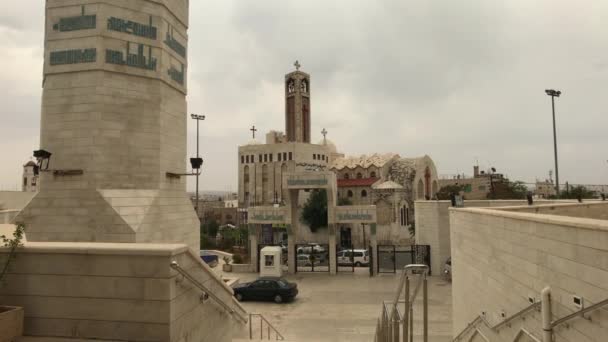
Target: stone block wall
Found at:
x=116, y=292
x=500, y=259
x=15, y=199
x=433, y=225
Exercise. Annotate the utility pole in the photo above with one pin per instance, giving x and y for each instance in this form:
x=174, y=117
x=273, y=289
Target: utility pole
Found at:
x=198, y=119
x=554, y=93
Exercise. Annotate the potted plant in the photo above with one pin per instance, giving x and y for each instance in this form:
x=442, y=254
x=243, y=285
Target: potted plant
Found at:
x=227, y=267
x=11, y=317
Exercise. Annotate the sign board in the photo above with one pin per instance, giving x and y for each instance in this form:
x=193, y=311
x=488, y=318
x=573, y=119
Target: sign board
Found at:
x=267, y=215
x=308, y=180
x=458, y=201
x=356, y=214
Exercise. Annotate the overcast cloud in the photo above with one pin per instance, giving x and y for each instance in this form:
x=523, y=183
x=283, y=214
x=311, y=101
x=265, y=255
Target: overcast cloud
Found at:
x=458, y=80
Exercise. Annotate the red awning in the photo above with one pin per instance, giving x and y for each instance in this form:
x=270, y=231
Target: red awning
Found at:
x=356, y=182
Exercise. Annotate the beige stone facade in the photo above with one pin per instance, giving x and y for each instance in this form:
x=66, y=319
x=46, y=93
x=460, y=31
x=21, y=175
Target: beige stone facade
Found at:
x=114, y=106
x=503, y=258
x=30, y=177
x=117, y=292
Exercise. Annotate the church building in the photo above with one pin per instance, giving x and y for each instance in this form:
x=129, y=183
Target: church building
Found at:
x=390, y=182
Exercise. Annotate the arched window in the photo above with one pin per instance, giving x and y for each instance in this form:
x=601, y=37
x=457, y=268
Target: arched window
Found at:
x=359, y=175
x=350, y=193
x=363, y=193
x=404, y=215
x=373, y=174
x=346, y=176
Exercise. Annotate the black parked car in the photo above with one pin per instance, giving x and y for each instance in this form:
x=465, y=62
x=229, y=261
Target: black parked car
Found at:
x=266, y=288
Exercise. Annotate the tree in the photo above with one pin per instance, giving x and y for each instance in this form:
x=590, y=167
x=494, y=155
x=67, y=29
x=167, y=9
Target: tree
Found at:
x=508, y=190
x=577, y=192
x=210, y=228
x=446, y=191
x=314, y=212
x=344, y=201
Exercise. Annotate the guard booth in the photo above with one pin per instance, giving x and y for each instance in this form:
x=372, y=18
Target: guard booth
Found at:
x=259, y=216
x=271, y=264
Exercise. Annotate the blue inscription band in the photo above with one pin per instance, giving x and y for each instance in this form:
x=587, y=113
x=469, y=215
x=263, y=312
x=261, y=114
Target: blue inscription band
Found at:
x=83, y=22
x=131, y=27
x=73, y=56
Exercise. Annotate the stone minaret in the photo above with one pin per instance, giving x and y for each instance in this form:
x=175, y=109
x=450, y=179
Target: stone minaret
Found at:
x=114, y=107
x=297, y=106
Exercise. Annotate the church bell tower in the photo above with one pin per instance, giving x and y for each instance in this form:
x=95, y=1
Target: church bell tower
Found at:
x=297, y=105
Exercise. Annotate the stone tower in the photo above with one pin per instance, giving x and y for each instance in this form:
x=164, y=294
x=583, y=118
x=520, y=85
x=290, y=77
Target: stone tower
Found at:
x=114, y=111
x=297, y=106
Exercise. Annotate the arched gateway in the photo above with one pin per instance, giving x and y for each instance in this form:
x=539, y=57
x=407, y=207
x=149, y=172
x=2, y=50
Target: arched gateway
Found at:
x=287, y=214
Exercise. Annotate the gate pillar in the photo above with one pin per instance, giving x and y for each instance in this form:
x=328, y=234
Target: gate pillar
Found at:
x=332, y=249
x=291, y=250
x=253, y=247
x=373, y=241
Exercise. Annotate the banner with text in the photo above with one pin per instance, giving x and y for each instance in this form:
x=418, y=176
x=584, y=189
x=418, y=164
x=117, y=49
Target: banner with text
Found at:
x=356, y=214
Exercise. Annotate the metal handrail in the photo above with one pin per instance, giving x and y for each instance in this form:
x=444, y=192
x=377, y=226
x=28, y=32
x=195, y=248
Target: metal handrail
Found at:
x=268, y=324
x=406, y=269
x=579, y=313
x=205, y=290
x=482, y=319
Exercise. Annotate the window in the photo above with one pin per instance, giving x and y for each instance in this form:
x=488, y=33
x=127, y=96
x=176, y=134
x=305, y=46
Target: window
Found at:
x=314, y=156
x=350, y=193
x=373, y=174
x=279, y=156
x=251, y=159
x=404, y=216
x=363, y=193
x=290, y=155
x=268, y=260
x=265, y=158
x=260, y=158
x=34, y=180
x=24, y=181
x=359, y=175
x=242, y=159
x=270, y=157
x=346, y=176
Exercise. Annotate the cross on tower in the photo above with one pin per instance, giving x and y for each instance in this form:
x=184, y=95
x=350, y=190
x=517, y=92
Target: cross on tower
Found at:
x=297, y=65
x=253, y=130
x=324, y=132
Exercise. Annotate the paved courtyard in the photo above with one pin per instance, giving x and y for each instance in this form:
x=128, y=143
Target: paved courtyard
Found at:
x=346, y=307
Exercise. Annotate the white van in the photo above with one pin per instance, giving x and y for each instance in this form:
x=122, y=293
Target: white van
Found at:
x=360, y=257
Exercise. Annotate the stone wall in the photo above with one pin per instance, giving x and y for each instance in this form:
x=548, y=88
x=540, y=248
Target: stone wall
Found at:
x=116, y=292
x=15, y=199
x=502, y=259
x=594, y=209
x=433, y=226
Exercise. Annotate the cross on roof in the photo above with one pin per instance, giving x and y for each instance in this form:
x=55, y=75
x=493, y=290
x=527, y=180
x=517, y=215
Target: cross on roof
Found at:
x=297, y=65
x=324, y=132
x=253, y=130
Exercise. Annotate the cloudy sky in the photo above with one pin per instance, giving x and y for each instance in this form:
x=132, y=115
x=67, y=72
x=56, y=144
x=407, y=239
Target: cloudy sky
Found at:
x=460, y=81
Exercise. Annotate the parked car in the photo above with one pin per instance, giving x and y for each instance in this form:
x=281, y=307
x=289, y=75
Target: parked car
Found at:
x=358, y=257
x=447, y=269
x=311, y=248
x=266, y=288
x=304, y=260
x=209, y=259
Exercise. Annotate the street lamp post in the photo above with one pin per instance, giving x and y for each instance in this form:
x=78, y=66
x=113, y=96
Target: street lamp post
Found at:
x=554, y=93
x=198, y=118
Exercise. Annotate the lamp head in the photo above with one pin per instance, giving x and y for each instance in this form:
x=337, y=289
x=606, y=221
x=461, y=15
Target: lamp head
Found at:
x=196, y=163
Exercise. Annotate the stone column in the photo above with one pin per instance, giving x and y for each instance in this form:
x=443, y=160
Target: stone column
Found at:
x=292, y=231
x=332, y=248
x=253, y=247
x=373, y=242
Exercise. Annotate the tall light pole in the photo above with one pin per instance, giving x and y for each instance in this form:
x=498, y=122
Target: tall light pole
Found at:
x=198, y=119
x=554, y=93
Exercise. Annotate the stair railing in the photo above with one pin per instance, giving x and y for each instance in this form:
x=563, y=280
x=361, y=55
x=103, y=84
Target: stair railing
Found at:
x=269, y=326
x=506, y=322
x=392, y=322
x=208, y=293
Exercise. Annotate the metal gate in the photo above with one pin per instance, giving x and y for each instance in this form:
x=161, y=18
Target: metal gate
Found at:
x=345, y=259
x=312, y=258
x=392, y=258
